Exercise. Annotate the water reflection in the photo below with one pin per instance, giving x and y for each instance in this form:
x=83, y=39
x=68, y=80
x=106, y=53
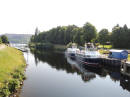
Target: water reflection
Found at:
x=55, y=60
x=86, y=75
x=125, y=82
x=59, y=62
x=113, y=72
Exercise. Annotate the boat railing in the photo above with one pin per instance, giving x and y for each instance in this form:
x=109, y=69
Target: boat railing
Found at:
x=91, y=49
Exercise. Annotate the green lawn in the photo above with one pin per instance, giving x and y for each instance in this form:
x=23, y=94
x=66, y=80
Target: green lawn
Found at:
x=129, y=57
x=104, y=51
x=12, y=64
x=105, y=46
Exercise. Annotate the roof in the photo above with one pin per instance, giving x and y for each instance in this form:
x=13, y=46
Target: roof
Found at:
x=74, y=44
x=114, y=50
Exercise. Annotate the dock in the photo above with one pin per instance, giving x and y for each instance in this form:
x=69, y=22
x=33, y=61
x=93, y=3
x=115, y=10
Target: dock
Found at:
x=111, y=61
x=125, y=68
x=123, y=65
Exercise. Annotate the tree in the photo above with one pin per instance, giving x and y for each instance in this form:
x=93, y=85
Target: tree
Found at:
x=77, y=36
x=89, y=32
x=4, y=39
x=36, y=31
x=120, y=37
x=69, y=33
x=115, y=36
x=103, y=36
x=0, y=40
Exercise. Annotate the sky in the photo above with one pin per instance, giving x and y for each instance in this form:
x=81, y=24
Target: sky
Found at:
x=23, y=16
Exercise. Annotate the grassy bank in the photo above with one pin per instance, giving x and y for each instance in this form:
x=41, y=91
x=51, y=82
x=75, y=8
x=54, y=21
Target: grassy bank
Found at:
x=12, y=65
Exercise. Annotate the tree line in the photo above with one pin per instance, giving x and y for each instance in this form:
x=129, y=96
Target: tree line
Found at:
x=118, y=38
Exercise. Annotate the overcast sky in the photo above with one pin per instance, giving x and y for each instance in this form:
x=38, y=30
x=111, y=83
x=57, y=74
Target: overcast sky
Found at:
x=23, y=16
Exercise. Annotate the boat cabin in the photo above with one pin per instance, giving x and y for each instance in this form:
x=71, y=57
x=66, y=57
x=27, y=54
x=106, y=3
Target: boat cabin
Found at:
x=118, y=54
x=89, y=47
x=74, y=45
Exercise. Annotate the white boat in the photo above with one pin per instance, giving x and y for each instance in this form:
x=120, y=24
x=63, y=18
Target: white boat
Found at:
x=71, y=52
x=89, y=56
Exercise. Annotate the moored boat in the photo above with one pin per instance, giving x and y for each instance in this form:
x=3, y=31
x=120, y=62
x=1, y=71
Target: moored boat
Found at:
x=71, y=52
x=90, y=56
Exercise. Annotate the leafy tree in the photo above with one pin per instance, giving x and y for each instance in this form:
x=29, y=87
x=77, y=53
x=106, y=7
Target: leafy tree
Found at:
x=69, y=33
x=0, y=40
x=32, y=38
x=89, y=32
x=66, y=34
x=58, y=35
x=77, y=37
x=4, y=39
x=120, y=37
x=103, y=36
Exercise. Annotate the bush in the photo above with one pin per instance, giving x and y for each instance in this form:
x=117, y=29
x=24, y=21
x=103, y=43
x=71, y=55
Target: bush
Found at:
x=4, y=39
x=18, y=75
x=13, y=85
x=4, y=91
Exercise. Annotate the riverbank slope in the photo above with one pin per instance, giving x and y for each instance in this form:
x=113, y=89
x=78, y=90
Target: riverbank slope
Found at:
x=12, y=66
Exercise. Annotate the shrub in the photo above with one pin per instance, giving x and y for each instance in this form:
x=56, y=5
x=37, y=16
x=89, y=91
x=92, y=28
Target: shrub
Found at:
x=18, y=75
x=4, y=91
x=13, y=85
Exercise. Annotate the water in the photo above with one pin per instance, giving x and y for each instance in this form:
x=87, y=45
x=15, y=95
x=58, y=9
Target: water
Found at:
x=50, y=74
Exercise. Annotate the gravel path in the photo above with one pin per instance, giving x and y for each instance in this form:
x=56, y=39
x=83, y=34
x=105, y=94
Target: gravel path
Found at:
x=2, y=47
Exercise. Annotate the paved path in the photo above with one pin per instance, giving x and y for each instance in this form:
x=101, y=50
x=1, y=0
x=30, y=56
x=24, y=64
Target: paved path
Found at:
x=2, y=47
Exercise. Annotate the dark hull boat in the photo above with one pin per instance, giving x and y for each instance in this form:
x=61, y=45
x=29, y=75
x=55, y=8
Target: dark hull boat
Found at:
x=95, y=62
x=91, y=62
x=89, y=56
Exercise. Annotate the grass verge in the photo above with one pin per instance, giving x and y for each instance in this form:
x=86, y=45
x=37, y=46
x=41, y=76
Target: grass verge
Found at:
x=12, y=66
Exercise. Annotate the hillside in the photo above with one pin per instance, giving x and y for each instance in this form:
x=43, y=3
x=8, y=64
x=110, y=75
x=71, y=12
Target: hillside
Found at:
x=19, y=38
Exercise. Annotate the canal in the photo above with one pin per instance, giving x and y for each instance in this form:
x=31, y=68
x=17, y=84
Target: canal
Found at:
x=51, y=74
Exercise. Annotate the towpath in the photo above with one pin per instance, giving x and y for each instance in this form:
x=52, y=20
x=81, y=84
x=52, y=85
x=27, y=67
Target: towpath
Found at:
x=2, y=46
